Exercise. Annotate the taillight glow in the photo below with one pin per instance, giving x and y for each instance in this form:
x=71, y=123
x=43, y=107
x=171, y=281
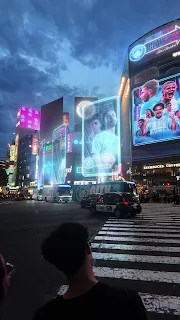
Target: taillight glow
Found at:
x=125, y=202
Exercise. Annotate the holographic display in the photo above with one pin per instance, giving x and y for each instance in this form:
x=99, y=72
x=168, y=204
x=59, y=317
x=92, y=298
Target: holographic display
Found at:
x=101, y=153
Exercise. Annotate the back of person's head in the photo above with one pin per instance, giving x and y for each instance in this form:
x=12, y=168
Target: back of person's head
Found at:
x=2, y=276
x=67, y=247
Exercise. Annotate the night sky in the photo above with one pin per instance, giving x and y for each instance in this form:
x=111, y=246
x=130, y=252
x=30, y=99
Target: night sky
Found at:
x=55, y=48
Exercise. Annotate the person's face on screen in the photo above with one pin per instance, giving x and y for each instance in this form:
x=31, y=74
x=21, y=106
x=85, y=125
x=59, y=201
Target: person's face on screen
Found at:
x=158, y=111
x=178, y=114
x=169, y=90
x=145, y=94
x=110, y=119
x=95, y=126
x=148, y=113
x=169, y=107
x=140, y=123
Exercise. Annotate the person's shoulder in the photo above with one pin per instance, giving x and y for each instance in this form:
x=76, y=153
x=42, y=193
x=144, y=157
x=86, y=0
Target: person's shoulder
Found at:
x=47, y=310
x=129, y=299
x=111, y=291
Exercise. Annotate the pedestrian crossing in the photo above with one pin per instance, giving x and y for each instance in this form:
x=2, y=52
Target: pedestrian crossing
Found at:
x=143, y=254
x=7, y=202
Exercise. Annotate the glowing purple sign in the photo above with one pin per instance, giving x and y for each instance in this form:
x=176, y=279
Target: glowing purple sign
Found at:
x=29, y=118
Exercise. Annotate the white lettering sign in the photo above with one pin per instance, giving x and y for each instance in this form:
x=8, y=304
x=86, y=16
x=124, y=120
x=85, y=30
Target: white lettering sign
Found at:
x=160, y=166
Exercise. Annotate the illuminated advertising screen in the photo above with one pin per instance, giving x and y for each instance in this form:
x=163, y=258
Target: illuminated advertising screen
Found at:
x=35, y=144
x=47, y=164
x=12, y=153
x=29, y=118
x=156, y=111
x=66, y=118
x=161, y=43
x=69, y=143
x=59, y=155
x=41, y=164
x=101, y=153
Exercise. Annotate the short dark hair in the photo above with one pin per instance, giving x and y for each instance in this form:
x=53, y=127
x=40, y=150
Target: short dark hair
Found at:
x=141, y=120
x=2, y=275
x=176, y=112
x=158, y=104
x=152, y=114
x=95, y=117
x=66, y=247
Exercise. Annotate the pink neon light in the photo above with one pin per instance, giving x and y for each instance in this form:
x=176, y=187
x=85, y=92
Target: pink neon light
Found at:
x=29, y=118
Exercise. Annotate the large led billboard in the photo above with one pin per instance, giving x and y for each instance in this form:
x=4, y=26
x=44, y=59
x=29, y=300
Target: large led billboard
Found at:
x=59, y=155
x=28, y=118
x=162, y=43
x=101, y=152
x=156, y=111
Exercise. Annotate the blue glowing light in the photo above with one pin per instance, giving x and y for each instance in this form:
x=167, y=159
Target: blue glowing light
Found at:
x=137, y=53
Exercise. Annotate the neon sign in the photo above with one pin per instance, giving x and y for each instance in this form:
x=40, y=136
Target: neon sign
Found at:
x=162, y=41
x=49, y=147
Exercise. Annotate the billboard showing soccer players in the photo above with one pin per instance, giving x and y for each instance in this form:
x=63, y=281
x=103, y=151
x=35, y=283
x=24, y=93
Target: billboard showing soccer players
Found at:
x=101, y=152
x=156, y=111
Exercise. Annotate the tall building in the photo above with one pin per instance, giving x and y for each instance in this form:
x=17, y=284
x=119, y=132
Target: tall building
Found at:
x=27, y=164
x=150, y=98
x=52, y=150
x=28, y=122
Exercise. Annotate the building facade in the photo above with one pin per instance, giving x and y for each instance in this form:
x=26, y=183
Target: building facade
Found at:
x=152, y=104
x=27, y=164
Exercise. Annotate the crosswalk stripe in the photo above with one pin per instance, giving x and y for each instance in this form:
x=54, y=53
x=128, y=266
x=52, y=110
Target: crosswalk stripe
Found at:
x=141, y=226
x=114, y=246
x=139, y=230
x=134, y=239
x=121, y=221
x=136, y=274
x=135, y=243
x=161, y=304
x=162, y=215
x=135, y=258
x=143, y=234
x=159, y=222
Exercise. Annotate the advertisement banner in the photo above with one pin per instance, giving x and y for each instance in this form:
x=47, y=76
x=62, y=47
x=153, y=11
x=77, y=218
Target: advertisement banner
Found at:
x=35, y=144
x=162, y=43
x=59, y=155
x=101, y=152
x=12, y=153
x=156, y=111
x=29, y=118
x=66, y=118
x=69, y=142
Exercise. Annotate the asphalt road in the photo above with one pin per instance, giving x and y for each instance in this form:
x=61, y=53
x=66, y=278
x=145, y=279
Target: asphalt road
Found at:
x=142, y=253
x=23, y=225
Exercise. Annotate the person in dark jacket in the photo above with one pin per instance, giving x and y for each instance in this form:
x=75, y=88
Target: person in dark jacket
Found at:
x=68, y=249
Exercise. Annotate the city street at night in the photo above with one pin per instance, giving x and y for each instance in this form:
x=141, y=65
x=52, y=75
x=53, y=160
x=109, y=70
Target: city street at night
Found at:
x=141, y=253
